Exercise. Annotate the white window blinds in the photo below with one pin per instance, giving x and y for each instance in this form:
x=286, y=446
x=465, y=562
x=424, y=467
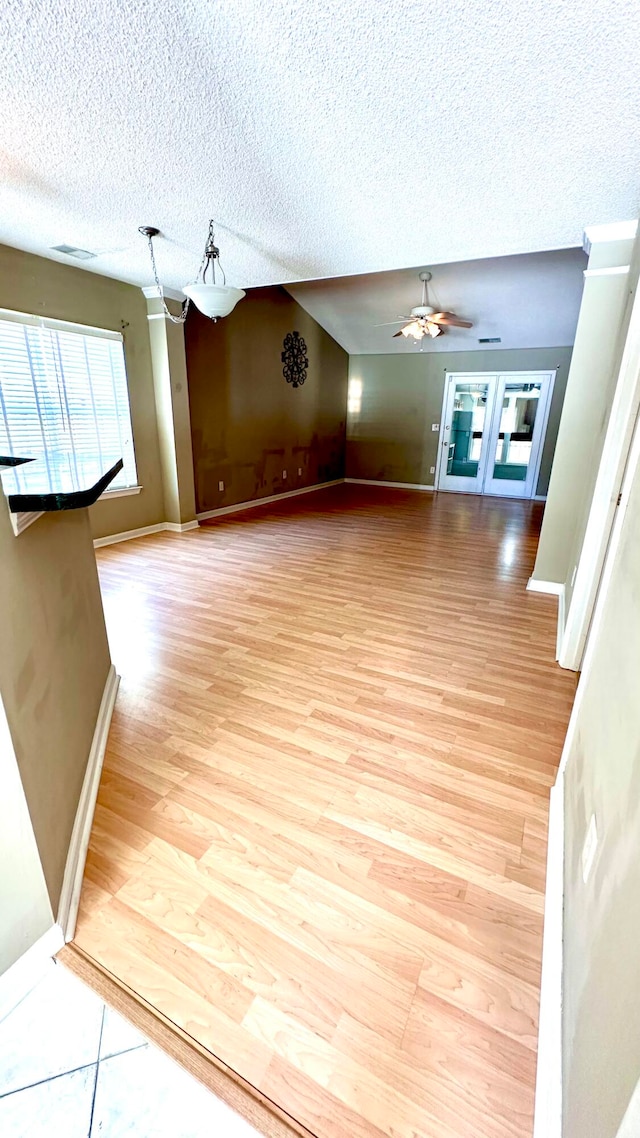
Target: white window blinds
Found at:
x=63, y=393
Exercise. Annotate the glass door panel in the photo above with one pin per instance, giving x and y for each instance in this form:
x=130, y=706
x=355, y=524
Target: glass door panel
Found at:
x=464, y=436
x=516, y=436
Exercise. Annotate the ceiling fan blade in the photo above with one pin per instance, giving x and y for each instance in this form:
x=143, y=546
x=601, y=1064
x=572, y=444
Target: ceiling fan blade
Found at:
x=388, y=323
x=450, y=318
x=396, y=334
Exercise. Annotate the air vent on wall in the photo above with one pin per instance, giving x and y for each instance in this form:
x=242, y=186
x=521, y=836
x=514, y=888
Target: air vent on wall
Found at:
x=72, y=251
x=490, y=340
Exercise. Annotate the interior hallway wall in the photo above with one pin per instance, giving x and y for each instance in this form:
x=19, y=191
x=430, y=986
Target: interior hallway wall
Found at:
x=601, y=967
x=248, y=424
x=53, y=669
x=389, y=436
x=46, y=288
x=590, y=389
x=25, y=908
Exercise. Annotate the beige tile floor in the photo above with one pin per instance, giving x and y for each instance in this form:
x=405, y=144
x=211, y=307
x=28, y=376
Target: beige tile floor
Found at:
x=70, y=1067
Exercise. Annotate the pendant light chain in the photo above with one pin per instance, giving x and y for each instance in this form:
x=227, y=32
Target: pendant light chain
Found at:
x=211, y=255
x=174, y=319
x=208, y=255
x=213, y=300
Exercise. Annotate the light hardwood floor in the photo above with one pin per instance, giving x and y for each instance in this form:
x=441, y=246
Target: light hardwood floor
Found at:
x=319, y=844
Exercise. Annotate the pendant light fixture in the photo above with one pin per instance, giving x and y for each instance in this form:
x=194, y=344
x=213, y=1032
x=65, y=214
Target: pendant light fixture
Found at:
x=213, y=300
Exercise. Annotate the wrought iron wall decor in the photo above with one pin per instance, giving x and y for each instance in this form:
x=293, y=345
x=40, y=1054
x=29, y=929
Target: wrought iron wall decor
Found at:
x=294, y=358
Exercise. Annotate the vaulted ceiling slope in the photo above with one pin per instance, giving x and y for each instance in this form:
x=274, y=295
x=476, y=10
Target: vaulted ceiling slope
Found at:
x=324, y=139
x=526, y=301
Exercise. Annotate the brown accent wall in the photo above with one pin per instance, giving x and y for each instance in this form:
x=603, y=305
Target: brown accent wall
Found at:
x=46, y=288
x=248, y=424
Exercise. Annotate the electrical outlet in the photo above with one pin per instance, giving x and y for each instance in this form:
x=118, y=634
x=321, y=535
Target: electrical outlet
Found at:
x=432, y=470
x=220, y=485
x=284, y=476
x=589, y=848
x=435, y=426
x=299, y=472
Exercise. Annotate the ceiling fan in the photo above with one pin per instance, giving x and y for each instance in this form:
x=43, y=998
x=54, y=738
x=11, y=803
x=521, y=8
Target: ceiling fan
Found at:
x=424, y=320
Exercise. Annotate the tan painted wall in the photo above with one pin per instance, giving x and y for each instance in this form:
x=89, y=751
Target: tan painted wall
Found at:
x=602, y=918
x=391, y=440
x=25, y=909
x=36, y=285
x=53, y=667
x=583, y=426
x=169, y=364
x=248, y=424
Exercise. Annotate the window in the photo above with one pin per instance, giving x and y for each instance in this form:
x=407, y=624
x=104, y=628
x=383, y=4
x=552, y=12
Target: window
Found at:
x=354, y=396
x=63, y=394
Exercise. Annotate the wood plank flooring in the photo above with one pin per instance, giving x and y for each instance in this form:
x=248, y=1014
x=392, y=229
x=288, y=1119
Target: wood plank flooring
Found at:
x=319, y=845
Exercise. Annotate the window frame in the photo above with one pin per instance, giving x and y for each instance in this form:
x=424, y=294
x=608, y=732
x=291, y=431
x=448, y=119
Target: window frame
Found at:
x=33, y=320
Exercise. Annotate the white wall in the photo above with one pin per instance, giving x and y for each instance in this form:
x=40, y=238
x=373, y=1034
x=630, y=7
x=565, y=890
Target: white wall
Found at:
x=601, y=954
x=585, y=414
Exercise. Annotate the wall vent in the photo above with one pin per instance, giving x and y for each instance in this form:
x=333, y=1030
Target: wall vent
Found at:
x=490, y=340
x=72, y=251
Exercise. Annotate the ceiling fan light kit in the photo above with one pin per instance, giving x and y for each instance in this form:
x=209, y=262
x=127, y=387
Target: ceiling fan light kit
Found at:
x=425, y=321
x=211, y=299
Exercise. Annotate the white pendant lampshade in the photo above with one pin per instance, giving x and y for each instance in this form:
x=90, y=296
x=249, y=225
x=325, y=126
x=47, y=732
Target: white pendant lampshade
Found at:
x=212, y=300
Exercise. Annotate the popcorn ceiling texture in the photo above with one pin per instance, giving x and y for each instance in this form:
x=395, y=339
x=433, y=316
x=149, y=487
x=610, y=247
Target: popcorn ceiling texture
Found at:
x=324, y=139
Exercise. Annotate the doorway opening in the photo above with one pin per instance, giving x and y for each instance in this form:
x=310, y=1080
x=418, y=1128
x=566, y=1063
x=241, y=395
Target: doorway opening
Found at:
x=493, y=430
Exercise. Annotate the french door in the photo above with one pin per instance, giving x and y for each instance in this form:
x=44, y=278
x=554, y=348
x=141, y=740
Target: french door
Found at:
x=492, y=432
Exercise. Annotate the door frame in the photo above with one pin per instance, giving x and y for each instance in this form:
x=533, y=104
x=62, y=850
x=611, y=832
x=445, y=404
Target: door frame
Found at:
x=451, y=379
x=540, y=427
x=624, y=418
x=482, y=376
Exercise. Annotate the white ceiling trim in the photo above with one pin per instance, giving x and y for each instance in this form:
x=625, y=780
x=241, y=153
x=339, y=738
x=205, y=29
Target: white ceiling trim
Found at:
x=151, y=293
x=617, y=231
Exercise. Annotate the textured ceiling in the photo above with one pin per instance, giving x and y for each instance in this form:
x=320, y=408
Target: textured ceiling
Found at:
x=529, y=301
x=324, y=139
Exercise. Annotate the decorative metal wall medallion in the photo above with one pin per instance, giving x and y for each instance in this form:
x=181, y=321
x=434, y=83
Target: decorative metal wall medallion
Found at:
x=294, y=358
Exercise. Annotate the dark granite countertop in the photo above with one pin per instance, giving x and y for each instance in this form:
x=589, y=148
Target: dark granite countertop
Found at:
x=62, y=481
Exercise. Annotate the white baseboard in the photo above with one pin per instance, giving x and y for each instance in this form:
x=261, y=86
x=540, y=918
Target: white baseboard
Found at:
x=548, y=1101
x=554, y=589
x=177, y=527
x=560, y=630
x=77, y=855
x=539, y=497
x=253, y=502
x=129, y=534
x=392, y=485
x=22, y=977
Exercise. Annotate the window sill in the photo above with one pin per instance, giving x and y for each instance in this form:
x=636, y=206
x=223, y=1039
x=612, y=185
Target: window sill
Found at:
x=21, y=522
x=122, y=492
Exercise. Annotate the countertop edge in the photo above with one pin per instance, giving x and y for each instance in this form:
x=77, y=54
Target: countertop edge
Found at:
x=63, y=500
